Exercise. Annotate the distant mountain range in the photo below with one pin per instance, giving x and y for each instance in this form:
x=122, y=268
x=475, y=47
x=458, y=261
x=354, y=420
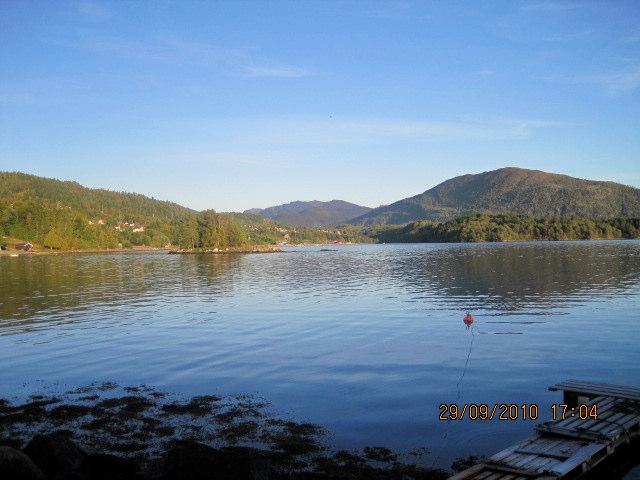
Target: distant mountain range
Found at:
x=312, y=214
x=507, y=190
x=511, y=190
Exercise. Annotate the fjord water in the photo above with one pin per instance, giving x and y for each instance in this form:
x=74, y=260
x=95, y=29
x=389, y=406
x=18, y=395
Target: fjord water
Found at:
x=366, y=340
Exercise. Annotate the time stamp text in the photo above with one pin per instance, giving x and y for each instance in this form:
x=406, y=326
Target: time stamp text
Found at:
x=514, y=411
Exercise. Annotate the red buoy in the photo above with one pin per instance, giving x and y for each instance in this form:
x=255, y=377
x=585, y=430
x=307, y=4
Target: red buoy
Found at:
x=468, y=319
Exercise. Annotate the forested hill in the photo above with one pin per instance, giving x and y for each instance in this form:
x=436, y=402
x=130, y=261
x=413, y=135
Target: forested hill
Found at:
x=312, y=214
x=93, y=203
x=506, y=228
x=63, y=215
x=511, y=190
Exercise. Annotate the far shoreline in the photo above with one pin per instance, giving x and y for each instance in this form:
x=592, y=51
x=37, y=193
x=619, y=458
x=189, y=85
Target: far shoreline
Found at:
x=133, y=250
x=279, y=248
x=227, y=250
x=38, y=252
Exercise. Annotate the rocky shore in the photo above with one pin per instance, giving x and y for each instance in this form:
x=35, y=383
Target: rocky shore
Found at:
x=243, y=249
x=108, y=432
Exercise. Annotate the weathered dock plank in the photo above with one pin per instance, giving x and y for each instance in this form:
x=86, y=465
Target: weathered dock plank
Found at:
x=594, y=389
x=568, y=448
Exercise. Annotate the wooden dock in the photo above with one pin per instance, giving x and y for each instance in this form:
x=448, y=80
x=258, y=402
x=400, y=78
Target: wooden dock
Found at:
x=567, y=449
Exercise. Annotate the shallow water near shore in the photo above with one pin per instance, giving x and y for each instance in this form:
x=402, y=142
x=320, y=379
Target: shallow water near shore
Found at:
x=366, y=340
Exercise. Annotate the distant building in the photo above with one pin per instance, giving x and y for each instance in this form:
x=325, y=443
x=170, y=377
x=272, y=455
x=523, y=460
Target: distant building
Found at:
x=127, y=225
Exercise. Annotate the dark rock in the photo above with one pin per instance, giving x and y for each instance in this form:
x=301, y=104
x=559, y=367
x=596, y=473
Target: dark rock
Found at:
x=461, y=464
x=68, y=412
x=71, y=475
x=15, y=465
x=55, y=454
x=188, y=460
x=109, y=467
x=11, y=442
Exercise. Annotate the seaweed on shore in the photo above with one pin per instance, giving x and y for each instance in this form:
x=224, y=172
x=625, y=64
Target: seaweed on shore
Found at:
x=141, y=424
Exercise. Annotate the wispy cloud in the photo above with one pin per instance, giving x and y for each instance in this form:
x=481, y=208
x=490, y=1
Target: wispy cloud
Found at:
x=618, y=83
x=202, y=155
x=376, y=130
x=172, y=50
x=16, y=98
x=568, y=36
x=157, y=48
x=613, y=83
x=552, y=6
x=281, y=72
x=391, y=10
x=92, y=10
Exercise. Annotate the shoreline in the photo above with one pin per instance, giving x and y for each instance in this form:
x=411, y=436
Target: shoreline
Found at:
x=228, y=250
x=38, y=252
x=143, y=433
x=275, y=248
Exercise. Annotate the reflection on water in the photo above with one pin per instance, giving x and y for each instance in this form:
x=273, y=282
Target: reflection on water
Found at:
x=509, y=278
x=365, y=339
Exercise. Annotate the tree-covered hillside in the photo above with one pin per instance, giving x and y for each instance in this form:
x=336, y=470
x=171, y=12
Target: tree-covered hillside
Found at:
x=313, y=213
x=511, y=190
x=505, y=228
x=54, y=227
x=265, y=231
x=66, y=216
x=93, y=203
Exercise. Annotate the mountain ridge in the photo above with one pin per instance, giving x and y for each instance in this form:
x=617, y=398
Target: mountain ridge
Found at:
x=314, y=213
x=510, y=190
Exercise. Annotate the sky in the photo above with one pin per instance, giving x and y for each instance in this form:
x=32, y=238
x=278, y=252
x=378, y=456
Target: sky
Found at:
x=233, y=105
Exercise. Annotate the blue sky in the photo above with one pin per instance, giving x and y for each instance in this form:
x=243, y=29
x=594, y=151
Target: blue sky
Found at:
x=233, y=105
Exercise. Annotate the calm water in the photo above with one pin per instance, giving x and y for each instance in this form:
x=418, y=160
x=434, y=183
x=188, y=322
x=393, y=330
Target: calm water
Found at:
x=366, y=340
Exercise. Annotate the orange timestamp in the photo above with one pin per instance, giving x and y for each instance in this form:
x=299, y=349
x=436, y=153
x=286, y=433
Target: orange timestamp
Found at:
x=513, y=411
x=484, y=411
x=562, y=411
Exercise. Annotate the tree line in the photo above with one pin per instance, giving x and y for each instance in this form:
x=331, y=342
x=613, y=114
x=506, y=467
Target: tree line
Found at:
x=505, y=228
x=52, y=226
x=64, y=215
x=57, y=227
